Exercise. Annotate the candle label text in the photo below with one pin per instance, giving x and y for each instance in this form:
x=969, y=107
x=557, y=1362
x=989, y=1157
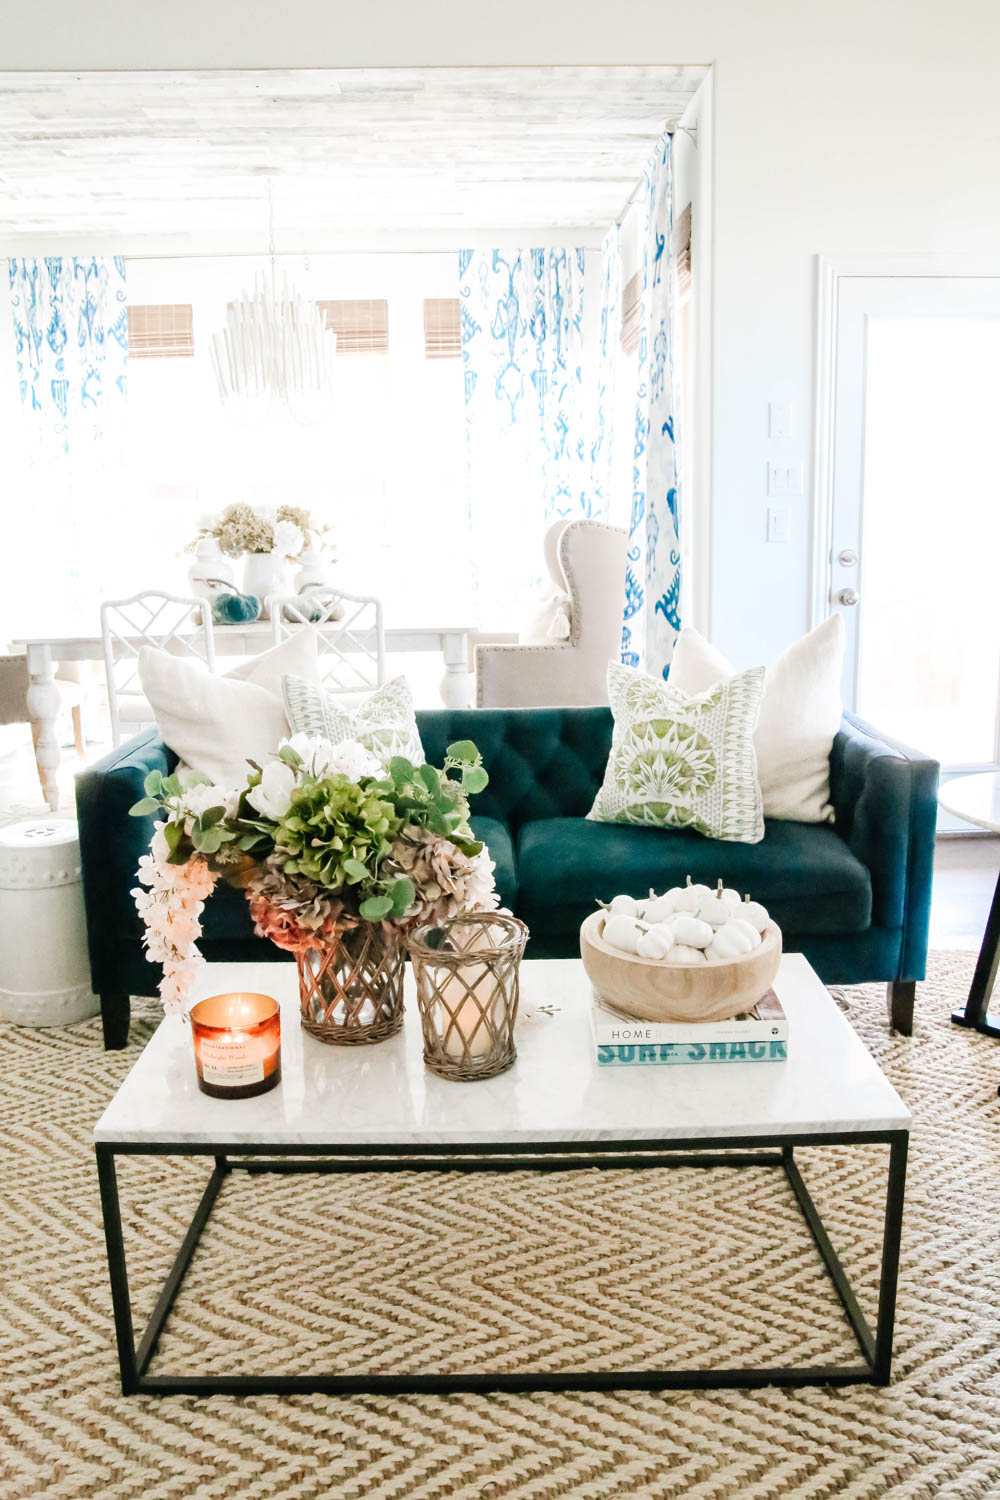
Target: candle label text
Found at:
x=230, y=1064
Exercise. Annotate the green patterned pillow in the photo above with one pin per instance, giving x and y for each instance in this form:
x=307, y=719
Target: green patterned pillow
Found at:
x=683, y=762
x=384, y=722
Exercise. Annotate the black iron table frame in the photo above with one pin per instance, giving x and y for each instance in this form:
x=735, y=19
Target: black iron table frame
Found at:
x=773, y=1151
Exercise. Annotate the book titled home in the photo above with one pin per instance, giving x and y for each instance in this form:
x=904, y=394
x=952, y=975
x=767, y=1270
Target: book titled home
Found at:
x=767, y=1022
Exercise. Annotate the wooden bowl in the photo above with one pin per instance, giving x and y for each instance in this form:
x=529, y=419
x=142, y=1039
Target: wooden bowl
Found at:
x=653, y=990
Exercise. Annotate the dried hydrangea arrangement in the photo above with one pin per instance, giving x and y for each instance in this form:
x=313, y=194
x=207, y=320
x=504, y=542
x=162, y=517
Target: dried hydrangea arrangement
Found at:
x=241, y=528
x=321, y=839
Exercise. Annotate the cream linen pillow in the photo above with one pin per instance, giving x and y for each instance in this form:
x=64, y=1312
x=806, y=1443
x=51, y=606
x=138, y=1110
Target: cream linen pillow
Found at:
x=799, y=715
x=216, y=723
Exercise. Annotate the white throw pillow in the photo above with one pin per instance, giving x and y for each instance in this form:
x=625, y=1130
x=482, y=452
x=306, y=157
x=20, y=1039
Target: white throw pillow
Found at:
x=384, y=721
x=215, y=723
x=799, y=715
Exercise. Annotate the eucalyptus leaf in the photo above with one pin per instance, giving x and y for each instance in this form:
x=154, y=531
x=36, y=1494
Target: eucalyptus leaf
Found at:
x=401, y=770
x=375, y=908
x=211, y=816
x=403, y=893
x=174, y=834
x=475, y=778
x=153, y=783
x=429, y=777
x=463, y=750
x=144, y=807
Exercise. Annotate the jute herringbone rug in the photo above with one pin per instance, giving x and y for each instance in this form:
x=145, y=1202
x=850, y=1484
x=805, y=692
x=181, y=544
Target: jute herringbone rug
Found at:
x=551, y=1270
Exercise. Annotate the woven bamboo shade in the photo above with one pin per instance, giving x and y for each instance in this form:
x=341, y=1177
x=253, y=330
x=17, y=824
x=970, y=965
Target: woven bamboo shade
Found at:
x=467, y=992
x=351, y=991
x=442, y=328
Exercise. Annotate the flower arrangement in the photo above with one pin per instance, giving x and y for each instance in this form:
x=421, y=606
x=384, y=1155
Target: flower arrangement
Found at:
x=321, y=839
x=287, y=530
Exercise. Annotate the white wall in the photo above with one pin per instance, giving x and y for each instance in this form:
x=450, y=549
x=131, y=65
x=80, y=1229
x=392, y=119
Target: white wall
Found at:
x=842, y=128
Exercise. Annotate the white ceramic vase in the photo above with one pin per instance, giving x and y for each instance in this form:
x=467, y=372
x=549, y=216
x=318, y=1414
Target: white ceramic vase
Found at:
x=264, y=573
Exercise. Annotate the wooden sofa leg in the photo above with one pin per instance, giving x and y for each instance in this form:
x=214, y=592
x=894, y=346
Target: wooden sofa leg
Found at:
x=901, y=995
x=116, y=1013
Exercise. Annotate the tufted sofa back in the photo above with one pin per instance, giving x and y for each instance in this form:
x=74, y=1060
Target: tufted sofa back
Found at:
x=543, y=762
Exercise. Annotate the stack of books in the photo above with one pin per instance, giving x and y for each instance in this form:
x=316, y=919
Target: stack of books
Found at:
x=760, y=1036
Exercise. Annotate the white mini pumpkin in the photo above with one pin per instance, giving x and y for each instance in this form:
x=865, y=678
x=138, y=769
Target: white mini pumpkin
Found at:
x=659, y=908
x=622, y=906
x=731, y=941
x=713, y=911
x=680, y=953
x=690, y=931
x=758, y=916
x=622, y=932
x=656, y=943
x=749, y=929
x=689, y=897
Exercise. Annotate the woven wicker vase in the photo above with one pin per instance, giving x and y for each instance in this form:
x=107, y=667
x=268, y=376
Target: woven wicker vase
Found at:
x=467, y=991
x=351, y=991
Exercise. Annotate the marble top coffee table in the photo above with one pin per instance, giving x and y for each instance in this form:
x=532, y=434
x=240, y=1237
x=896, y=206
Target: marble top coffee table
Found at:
x=377, y=1109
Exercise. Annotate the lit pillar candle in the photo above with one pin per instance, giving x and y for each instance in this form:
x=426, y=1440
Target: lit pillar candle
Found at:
x=237, y=1044
x=462, y=1038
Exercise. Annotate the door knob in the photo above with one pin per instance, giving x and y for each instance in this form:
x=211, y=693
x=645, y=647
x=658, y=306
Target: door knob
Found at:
x=848, y=596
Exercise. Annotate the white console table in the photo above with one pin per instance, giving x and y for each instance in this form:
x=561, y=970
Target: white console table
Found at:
x=451, y=641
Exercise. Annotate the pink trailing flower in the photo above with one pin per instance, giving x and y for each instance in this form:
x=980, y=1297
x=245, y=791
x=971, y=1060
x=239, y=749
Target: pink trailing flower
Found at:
x=171, y=910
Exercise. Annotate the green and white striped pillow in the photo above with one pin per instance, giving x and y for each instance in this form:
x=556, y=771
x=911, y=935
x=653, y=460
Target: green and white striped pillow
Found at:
x=683, y=762
x=384, y=722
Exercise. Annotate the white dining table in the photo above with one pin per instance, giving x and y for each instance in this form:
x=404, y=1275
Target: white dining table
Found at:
x=44, y=651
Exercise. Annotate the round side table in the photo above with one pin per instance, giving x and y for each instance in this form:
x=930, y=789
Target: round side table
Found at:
x=977, y=800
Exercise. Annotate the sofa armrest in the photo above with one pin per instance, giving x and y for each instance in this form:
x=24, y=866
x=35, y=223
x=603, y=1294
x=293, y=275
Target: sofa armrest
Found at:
x=885, y=806
x=111, y=843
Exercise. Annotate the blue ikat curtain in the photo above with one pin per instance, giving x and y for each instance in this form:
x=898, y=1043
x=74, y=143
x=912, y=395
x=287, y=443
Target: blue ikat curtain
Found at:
x=71, y=343
x=528, y=458
x=653, y=576
x=70, y=328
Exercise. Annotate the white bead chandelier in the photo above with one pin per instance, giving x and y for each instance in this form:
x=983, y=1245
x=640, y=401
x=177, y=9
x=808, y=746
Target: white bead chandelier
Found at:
x=275, y=345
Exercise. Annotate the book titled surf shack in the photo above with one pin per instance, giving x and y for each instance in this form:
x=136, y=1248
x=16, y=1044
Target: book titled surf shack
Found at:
x=642, y=1054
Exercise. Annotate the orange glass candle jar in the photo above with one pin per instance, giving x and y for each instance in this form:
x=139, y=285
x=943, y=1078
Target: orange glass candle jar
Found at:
x=237, y=1044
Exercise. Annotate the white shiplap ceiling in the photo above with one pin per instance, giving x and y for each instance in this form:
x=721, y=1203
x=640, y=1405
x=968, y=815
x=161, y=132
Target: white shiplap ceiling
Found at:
x=156, y=160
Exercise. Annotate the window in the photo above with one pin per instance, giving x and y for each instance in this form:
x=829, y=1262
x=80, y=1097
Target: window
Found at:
x=361, y=326
x=442, y=328
x=161, y=330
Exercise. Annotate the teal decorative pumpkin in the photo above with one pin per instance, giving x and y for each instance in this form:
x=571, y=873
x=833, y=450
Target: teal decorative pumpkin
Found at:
x=235, y=609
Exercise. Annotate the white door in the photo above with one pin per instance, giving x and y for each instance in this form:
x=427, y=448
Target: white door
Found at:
x=915, y=531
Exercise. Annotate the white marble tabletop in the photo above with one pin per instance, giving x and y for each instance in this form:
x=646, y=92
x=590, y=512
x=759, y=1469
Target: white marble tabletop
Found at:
x=555, y=1092
x=974, y=798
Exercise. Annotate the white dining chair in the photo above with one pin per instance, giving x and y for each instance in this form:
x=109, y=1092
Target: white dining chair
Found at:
x=167, y=621
x=351, y=635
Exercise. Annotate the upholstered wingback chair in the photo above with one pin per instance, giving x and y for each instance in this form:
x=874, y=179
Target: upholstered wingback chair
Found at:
x=586, y=560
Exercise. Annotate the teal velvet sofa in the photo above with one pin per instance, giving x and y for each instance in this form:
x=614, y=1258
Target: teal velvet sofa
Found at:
x=853, y=896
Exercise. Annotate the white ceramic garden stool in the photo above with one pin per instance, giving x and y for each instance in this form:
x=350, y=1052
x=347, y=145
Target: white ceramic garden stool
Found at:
x=44, y=967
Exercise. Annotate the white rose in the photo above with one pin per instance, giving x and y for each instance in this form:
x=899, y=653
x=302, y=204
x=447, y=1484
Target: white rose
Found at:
x=198, y=799
x=353, y=761
x=288, y=539
x=273, y=796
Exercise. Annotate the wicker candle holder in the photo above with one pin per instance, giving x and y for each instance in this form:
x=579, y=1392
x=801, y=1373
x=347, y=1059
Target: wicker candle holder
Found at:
x=467, y=991
x=351, y=990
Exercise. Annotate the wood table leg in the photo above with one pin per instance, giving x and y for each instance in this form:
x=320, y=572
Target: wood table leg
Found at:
x=43, y=711
x=456, y=684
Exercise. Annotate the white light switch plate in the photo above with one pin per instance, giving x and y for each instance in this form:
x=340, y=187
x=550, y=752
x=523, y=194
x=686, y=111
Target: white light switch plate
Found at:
x=784, y=477
x=779, y=419
x=779, y=523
